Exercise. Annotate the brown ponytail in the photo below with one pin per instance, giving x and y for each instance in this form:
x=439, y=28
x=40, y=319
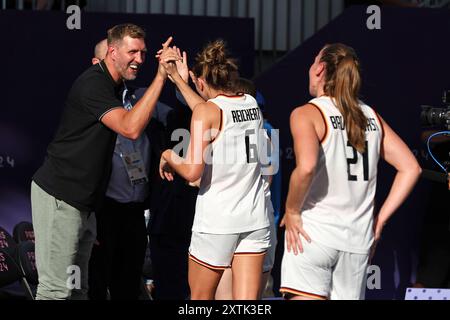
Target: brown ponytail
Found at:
x=213, y=64
x=343, y=82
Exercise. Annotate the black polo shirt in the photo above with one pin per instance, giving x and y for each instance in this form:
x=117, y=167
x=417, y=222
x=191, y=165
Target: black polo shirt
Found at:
x=78, y=163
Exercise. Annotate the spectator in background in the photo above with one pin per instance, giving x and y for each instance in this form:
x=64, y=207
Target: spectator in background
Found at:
x=172, y=214
x=275, y=187
x=172, y=208
x=275, y=194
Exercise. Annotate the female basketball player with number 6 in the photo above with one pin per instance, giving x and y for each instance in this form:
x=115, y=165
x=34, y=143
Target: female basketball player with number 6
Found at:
x=231, y=225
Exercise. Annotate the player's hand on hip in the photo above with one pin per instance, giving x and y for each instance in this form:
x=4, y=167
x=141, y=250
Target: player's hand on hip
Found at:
x=378, y=226
x=293, y=223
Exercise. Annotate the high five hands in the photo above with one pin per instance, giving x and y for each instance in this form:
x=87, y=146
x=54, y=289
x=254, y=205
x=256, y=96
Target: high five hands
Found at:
x=166, y=55
x=174, y=62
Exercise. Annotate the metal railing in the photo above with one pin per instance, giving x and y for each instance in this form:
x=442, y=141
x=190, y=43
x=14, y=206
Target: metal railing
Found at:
x=36, y=4
x=433, y=3
x=280, y=25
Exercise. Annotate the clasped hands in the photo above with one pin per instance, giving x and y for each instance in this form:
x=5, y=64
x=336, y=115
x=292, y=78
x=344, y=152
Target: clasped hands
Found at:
x=173, y=63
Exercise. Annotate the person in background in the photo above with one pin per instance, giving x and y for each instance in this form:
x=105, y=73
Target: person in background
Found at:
x=118, y=255
x=172, y=209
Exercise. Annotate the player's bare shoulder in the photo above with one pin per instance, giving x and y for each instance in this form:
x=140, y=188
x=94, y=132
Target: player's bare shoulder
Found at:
x=307, y=112
x=207, y=111
x=308, y=117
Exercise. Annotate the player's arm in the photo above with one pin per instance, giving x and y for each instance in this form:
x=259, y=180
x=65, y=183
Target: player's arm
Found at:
x=191, y=168
x=173, y=69
x=306, y=146
x=397, y=154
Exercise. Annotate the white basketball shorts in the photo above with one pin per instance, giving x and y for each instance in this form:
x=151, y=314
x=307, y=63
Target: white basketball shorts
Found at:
x=321, y=272
x=216, y=251
x=269, y=259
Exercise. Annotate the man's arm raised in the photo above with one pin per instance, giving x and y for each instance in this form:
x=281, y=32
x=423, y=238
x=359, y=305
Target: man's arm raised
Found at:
x=131, y=124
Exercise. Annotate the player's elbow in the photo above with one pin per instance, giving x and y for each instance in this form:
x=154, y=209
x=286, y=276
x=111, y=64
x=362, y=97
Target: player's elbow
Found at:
x=411, y=167
x=416, y=170
x=193, y=175
x=306, y=170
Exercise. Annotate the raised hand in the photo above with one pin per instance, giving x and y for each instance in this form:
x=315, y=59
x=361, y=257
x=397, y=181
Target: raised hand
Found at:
x=166, y=44
x=168, y=59
x=172, y=56
x=182, y=65
x=194, y=79
x=165, y=48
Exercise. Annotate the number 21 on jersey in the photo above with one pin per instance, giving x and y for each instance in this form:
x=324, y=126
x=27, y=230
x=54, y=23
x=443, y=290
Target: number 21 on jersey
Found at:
x=353, y=160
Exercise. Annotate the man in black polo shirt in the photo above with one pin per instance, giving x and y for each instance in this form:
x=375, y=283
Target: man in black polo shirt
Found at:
x=72, y=181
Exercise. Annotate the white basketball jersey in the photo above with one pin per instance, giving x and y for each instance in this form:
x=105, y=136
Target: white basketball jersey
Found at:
x=231, y=196
x=338, y=209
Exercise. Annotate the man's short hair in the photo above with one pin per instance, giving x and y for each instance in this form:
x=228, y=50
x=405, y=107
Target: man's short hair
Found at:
x=119, y=32
x=101, y=49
